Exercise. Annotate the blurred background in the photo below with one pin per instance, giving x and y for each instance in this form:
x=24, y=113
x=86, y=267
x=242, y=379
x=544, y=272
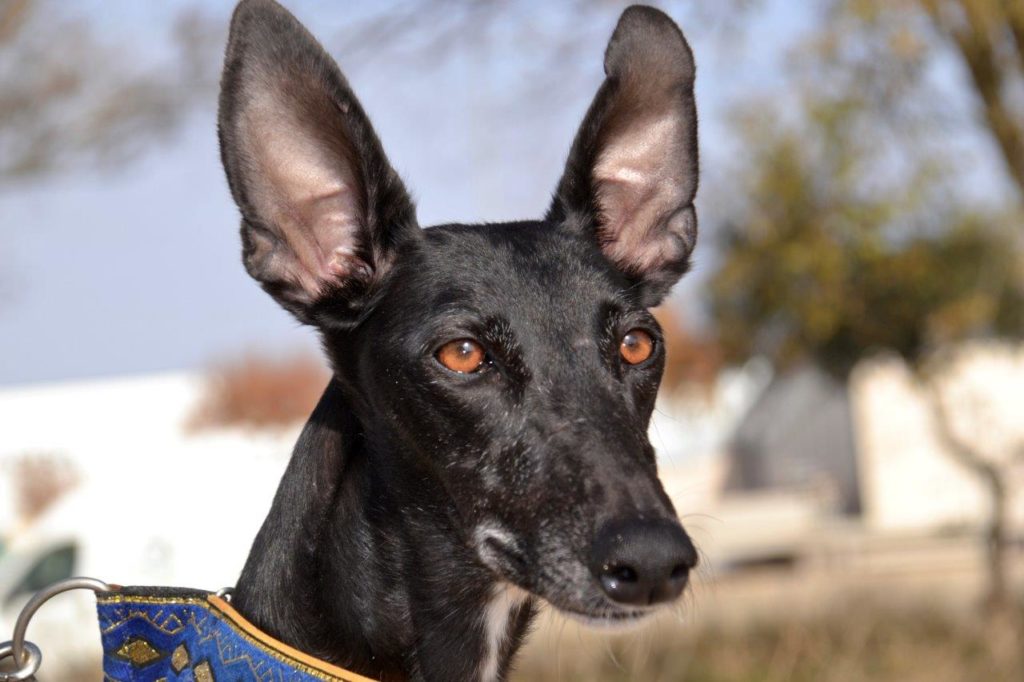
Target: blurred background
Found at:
x=840, y=425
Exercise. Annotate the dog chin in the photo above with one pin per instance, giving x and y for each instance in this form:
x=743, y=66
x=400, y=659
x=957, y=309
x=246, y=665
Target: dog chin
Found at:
x=614, y=621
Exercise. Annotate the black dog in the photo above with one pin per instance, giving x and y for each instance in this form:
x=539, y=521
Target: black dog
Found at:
x=482, y=444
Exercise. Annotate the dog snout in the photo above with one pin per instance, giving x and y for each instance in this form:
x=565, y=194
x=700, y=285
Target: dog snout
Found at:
x=642, y=562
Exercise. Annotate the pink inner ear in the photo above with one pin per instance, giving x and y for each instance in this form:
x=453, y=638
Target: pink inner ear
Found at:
x=641, y=183
x=309, y=194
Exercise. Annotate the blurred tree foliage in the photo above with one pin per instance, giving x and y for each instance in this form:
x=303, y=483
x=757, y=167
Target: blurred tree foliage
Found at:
x=72, y=96
x=853, y=224
x=256, y=392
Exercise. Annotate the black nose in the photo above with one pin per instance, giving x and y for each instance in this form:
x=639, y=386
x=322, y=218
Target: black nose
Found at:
x=642, y=562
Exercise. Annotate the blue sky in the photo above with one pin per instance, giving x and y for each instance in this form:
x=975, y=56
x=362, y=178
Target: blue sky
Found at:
x=138, y=269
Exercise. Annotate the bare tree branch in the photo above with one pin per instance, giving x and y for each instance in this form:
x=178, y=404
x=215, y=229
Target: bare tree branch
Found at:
x=87, y=103
x=994, y=478
x=1015, y=19
x=12, y=16
x=975, y=27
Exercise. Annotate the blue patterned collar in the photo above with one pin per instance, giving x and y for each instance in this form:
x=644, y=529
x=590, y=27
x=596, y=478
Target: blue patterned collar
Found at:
x=153, y=634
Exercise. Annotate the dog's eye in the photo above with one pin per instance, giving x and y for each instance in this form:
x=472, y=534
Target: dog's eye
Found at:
x=462, y=355
x=637, y=345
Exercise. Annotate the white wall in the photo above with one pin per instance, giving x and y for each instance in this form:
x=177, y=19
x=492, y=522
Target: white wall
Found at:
x=126, y=442
x=909, y=480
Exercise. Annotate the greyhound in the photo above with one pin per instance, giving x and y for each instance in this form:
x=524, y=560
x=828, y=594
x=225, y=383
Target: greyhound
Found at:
x=482, y=445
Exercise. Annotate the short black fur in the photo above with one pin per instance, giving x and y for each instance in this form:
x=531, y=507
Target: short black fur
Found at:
x=425, y=512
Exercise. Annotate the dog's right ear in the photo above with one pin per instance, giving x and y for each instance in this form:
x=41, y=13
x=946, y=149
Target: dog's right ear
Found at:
x=323, y=212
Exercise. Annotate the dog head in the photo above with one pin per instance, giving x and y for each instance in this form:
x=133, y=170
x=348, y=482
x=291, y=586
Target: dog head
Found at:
x=517, y=364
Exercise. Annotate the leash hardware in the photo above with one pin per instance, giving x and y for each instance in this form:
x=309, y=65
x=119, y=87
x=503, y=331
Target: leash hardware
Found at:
x=27, y=655
x=225, y=593
x=29, y=665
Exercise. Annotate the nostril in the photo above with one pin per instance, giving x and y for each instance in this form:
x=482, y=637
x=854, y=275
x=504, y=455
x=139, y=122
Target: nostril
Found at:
x=622, y=583
x=624, y=574
x=680, y=571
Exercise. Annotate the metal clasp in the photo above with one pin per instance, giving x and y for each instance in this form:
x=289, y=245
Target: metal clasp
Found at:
x=27, y=656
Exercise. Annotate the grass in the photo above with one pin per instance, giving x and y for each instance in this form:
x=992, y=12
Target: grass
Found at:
x=853, y=644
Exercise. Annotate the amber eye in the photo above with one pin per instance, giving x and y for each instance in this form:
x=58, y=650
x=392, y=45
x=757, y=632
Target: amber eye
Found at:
x=637, y=345
x=462, y=355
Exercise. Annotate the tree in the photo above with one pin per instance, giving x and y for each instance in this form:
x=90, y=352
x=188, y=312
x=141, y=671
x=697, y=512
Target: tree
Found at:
x=260, y=393
x=989, y=36
x=71, y=98
x=979, y=430
x=814, y=268
x=852, y=224
x=887, y=54
x=40, y=479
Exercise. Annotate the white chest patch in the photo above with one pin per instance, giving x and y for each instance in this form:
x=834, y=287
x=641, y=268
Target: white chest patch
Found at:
x=496, y=622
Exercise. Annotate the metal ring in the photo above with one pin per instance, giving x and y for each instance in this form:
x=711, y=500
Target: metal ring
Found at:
x=27, y=668
x=225, y=593
x=18, y=643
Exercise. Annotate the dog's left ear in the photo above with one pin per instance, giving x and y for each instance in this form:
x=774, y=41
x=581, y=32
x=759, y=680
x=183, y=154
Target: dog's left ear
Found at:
x=631, y=176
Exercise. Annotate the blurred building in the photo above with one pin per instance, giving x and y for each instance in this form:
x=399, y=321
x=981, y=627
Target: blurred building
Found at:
x=911, y=479
x=859, y=471
x=141, y=476
x=799, y=434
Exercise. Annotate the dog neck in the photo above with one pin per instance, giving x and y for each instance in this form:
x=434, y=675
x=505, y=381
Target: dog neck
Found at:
x=505, y=619
x=359, y=563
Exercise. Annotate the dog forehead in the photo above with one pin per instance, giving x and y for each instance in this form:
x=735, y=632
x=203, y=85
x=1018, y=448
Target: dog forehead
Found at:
x=513, y=264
